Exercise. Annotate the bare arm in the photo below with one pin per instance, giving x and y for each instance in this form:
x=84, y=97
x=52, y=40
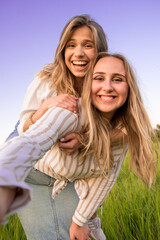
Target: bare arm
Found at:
x=38, y=99
x=65, y=101
x=19, y=155
x=70, y=143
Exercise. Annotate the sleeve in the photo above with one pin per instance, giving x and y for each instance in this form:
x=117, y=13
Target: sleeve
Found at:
x=37, y=91
x=99, y=188
x=18, y=155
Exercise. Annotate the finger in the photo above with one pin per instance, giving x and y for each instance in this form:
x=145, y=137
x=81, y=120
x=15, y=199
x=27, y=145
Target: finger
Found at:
x=68, y=106
x=70, y=144
x=69, y=98
x=69, y=137
x=72, y=237
x=71, y=103
x=65, y=145
x=65, y=98
x=72, y=99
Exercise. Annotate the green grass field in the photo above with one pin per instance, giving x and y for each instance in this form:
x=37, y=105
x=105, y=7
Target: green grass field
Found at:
x=131, y=211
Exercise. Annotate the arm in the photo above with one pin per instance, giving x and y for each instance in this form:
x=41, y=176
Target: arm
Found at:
x=65, y=101
x=70, y=143
x=18, y=155
x=38, y=99
x=99, y=188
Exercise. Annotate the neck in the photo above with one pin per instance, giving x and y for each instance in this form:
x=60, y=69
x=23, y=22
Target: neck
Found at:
x=78, y=85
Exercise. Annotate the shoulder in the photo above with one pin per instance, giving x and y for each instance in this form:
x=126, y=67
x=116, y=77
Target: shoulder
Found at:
x=43, y=86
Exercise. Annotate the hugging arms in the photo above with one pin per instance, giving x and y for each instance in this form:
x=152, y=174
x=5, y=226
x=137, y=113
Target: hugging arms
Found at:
x=110, y=84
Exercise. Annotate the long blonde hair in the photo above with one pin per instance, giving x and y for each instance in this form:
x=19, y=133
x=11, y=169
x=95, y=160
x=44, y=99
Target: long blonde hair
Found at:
x=131, y=116
x=57, y=71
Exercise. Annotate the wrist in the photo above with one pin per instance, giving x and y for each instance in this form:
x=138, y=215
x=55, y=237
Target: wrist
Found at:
x=75, y=224
x=31, y=118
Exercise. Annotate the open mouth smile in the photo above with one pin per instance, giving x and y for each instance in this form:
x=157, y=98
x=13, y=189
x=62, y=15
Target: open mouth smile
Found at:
x=106, y=98
x=80, y=63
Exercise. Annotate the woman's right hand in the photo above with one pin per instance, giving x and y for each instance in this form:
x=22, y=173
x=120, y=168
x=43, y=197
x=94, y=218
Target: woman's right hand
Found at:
x=7, y=196
x=80, y=233
x=65, y=101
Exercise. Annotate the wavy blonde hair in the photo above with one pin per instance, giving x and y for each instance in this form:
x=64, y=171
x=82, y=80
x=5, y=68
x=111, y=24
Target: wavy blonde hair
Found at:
x=131, y=116
x=57, y=71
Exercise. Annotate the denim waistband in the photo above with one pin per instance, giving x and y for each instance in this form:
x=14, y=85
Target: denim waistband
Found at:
x=38, y=178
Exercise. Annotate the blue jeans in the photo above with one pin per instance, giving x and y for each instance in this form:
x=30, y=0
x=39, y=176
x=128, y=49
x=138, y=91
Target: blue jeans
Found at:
x=46, y=218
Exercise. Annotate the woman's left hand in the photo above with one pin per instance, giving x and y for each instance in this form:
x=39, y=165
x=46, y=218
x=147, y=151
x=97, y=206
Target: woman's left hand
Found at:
x=70, y=143
x=80, y=233
x=7, y=196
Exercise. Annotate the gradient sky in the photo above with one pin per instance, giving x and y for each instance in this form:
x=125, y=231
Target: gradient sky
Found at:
x=30, y=31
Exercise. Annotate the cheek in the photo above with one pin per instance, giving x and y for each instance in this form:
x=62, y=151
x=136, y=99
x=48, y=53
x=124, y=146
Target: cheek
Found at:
x=93, y=88
x=125, y=93
x=92, y=54
x=93, y=91
x=66, y=55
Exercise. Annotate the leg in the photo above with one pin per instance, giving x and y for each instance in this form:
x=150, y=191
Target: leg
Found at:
x=46, y=218
x=66, y=203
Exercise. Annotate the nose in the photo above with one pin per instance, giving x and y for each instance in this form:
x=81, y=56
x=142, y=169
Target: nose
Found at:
x=107, y=85
x=79, y=51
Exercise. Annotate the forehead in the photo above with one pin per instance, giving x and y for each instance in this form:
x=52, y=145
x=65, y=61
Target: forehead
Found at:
x=82, y=33
x=110, y=65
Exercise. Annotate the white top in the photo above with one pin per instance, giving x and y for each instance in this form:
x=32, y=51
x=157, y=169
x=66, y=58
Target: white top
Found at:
x=67, y=168
x=37, y=91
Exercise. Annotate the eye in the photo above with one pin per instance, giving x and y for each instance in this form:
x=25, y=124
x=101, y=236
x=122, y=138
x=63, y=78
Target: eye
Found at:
x=70, y=45
x=117, y=80
x=98, y=78
x=88, y=46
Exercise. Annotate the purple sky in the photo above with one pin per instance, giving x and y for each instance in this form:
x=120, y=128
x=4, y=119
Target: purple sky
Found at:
x=30, y=31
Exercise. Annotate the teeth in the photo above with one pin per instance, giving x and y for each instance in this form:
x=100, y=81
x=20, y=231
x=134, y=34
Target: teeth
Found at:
x=79, y=62
x=106, y=98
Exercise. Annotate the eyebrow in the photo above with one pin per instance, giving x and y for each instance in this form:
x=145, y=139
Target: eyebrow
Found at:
x=114, y=74
x=85, y=40
x=118, y=74
x=98, y=73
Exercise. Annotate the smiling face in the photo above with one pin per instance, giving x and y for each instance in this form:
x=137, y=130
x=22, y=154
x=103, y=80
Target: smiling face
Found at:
x=80, y=52
x=109, y=89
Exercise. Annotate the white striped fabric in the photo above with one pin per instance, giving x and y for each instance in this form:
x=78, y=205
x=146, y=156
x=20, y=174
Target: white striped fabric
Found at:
x=19, y=154
x=64, y=167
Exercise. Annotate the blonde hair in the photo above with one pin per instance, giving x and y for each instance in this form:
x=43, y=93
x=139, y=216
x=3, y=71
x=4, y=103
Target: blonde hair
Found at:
x=131, y=116
x=57, y=71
